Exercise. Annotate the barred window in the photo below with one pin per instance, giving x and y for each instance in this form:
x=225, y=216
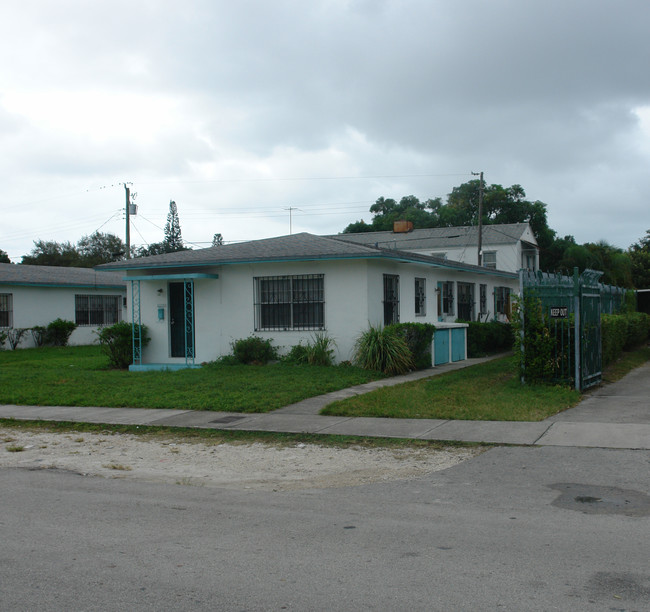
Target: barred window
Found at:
x=97, y=309
x=391, y=299
x=290, y=302
x=502, y=300
x=466, y=301
x=420, y=296
x=483, y=299
x=448, y=298
x=6, y=310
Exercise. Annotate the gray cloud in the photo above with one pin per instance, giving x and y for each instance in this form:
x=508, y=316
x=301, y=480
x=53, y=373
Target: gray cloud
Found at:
x=538, y=93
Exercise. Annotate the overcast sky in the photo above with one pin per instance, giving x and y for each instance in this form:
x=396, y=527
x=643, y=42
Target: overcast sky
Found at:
x=242, y=109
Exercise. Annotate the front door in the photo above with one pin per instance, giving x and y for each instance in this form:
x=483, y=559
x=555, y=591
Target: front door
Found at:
x=180, y=332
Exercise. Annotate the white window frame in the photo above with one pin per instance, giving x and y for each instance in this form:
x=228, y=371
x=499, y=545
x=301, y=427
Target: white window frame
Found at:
x=391, y=298
x=447, y=298
x=489, y=260
x=502, y=300
x=482, y=299
x=420, y=297
x=6, y=310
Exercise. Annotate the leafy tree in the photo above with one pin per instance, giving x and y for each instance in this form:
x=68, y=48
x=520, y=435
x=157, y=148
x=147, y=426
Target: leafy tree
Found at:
x=639, y=254
x=4, y=258
x=52, y=253
x=99, y=248
x=500, y=205
x=155, y=248
x=90, y=251
x=614, y=262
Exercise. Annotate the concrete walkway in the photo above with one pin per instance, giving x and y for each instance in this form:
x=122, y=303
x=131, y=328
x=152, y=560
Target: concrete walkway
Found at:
x=613, y=416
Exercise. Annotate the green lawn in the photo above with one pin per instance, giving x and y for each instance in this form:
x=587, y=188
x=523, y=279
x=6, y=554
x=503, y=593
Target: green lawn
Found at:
x=485, y=392
x=79, y=376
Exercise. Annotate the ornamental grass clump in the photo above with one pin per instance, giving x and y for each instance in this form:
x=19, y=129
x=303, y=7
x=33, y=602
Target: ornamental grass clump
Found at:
x=383, y=349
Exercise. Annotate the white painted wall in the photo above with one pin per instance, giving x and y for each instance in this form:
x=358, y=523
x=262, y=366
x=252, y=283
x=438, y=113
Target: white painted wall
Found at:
x=224, y=307
x=41, y=305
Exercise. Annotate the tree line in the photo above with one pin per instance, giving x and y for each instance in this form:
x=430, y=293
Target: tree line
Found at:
x=624, y=268
x=99, y=247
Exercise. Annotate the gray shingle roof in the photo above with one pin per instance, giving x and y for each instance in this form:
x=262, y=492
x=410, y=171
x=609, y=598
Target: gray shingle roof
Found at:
x=296, y=247
x=283, y=248
x=57, y=276
x=440, y=237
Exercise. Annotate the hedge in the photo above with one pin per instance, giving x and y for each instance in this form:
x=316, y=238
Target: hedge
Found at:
x=488, y=338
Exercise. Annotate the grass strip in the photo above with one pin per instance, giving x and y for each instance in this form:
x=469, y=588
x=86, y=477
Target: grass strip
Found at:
x=484, y=392
x=212, y=436
x=79, y=376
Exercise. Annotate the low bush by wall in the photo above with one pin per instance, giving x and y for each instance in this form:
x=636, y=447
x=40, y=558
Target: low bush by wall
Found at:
x=418, y=337
x=488, y=338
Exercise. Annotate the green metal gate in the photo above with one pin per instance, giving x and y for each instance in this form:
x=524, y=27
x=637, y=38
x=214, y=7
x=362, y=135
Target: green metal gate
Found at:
x=571, y=307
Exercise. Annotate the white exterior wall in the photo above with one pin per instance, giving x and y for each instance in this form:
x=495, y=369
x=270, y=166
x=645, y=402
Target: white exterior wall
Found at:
x=409, y=272
x=34, y=306
x=508, y=255
x=224, y=307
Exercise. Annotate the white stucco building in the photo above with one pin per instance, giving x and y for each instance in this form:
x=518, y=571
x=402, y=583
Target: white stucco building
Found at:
x=196, y=303
x=509, y=246
x=37, y=295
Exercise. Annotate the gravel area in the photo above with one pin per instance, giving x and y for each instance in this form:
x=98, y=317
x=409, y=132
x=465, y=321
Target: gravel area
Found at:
x=232, y=465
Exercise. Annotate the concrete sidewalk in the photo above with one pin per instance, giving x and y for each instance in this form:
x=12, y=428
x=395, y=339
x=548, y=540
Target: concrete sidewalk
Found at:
x=613, y=416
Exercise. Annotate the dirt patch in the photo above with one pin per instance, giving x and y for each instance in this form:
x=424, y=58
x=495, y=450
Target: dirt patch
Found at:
x=231, y=465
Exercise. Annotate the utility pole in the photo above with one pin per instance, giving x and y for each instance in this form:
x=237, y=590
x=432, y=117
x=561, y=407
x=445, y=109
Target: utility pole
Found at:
x=291, y=209
x=480, y=217
x=128, y=220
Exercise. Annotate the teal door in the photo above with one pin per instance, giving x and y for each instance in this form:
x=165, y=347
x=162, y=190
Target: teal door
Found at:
x=441, y=346
x=181, y=330
x=458, y=344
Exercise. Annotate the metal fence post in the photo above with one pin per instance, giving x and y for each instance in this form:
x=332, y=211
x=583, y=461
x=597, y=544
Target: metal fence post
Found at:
x=577, y=339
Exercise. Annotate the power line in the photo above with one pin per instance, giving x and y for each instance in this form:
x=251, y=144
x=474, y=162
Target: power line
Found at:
x=299, y=178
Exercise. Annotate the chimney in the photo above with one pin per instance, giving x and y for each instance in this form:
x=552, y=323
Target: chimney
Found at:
x=402, y=227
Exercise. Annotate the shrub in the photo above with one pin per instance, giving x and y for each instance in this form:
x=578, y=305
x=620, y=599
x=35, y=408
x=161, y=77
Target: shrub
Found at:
x=320, y=351
x=383, y=349
x=488, y=338
x=14, y=336
x=39, y=335
x=3, y=337
x=297, y=355
x=538, y=361
x=622, y=332
x=116, y=343
x=418, y=337
x=254, y=350
x=638, y=327
x=58, y=332
x=613, y=332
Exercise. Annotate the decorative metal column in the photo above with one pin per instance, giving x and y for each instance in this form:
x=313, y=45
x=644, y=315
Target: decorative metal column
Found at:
x=189, y=321
x=136, y=322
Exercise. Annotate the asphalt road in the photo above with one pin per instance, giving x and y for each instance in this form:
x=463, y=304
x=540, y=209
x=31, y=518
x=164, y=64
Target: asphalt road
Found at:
x=513, y=529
